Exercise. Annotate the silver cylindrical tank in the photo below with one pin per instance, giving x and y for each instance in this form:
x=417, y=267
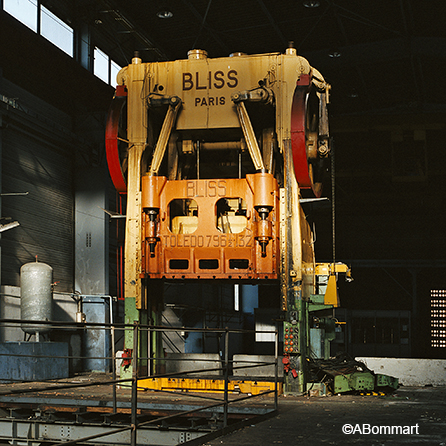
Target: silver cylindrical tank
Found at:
x=36, y=303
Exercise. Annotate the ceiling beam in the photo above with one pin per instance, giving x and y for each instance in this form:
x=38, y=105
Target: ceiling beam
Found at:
x=129, y=26
x=382, y=51
x=273, y=23
x=357, y=68
x=202, y=22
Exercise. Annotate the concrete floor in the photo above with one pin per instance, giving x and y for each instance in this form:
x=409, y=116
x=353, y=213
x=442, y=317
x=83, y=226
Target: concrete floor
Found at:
x=320, y=420
x=418, y=415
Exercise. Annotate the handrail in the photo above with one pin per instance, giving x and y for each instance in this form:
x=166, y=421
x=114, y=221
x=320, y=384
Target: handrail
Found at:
x=227, y=364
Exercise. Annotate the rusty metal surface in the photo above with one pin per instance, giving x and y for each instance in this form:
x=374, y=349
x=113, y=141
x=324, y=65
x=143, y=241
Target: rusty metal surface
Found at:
x=202, y=238
x=81, y=409
x=93, y=392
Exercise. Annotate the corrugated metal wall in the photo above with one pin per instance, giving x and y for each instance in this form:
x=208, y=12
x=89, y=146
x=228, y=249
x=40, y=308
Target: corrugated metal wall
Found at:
x=35, y=164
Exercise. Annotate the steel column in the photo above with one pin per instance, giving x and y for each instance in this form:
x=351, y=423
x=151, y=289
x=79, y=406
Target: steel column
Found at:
x=226, y=396
x=134, y=419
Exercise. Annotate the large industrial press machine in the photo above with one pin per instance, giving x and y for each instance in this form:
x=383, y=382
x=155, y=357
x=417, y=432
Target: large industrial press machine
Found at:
x=213, y=155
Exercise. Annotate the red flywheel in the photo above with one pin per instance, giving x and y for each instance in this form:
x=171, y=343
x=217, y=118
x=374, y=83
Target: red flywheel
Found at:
x=115, y=146
x=308, y=165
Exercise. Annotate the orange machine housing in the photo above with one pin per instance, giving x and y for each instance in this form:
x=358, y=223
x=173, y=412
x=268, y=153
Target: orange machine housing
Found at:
x=227, y=228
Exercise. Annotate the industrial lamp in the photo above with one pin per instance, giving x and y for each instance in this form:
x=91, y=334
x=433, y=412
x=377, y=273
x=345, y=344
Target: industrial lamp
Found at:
x=311, y=3
x=164, y=12
x=5, y=227
x=334, y=53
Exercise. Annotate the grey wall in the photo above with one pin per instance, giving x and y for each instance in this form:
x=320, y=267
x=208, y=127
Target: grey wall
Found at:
x=37, y=152
x=91, y=231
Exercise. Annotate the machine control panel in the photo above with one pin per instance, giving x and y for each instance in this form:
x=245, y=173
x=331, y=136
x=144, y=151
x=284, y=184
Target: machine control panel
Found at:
x=290, y=338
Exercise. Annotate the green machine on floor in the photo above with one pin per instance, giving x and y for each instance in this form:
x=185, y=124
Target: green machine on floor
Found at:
x=339, y=374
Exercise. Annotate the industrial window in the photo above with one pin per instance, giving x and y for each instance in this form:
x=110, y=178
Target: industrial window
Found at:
x=101, y=64
x=51, y=27
x=105, y=68
x=56, y=31
x=23, y=10
x=40, y=19
x=438, y=318
x=114, y=69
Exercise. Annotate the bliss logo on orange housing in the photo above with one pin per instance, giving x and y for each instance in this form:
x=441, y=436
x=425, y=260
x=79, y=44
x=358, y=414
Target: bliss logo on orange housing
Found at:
x=218, y=80
x=207, y=188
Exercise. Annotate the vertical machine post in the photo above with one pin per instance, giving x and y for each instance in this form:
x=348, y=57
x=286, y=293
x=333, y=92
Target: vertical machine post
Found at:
x=134, y=414
x=137, y=137
x=293, y=298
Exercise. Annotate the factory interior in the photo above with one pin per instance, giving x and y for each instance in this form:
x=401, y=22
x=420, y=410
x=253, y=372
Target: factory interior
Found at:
x=316, y=277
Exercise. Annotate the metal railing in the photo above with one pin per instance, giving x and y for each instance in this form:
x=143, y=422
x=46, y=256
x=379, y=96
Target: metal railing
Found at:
x=222, y=401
